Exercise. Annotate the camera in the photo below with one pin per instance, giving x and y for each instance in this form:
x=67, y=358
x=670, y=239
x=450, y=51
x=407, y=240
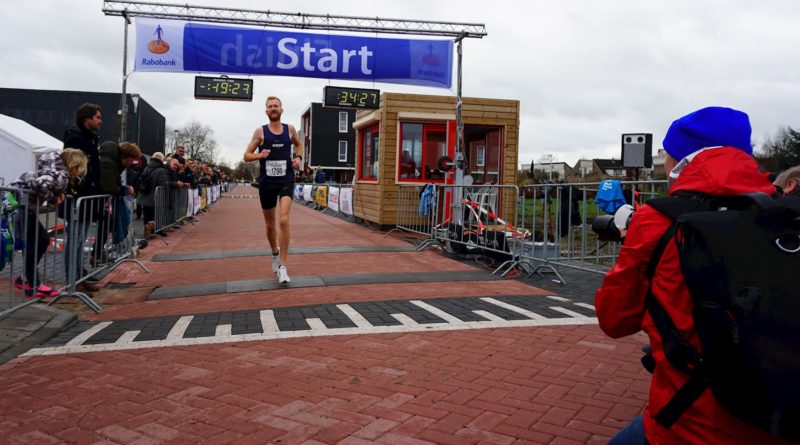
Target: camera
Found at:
x=613, y=227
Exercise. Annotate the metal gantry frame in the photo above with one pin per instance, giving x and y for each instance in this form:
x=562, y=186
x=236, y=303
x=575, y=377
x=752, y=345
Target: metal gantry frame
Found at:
x=298, y=20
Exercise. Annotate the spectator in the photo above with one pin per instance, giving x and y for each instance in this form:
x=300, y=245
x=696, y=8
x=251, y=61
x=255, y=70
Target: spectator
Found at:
x=789, y=181
x=157, y=176
x=84, y=136
x=138, y=168
x=320, y=177
x=55, y=175
x=708, y=154
x=180, y=153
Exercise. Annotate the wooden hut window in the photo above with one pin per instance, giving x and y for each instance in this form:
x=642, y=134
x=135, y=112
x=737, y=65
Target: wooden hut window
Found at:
x=421, y=146
x=369, y=153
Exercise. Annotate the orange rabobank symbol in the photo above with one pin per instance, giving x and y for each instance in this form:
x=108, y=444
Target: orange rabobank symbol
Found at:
x=158, y=46
x=430, y=58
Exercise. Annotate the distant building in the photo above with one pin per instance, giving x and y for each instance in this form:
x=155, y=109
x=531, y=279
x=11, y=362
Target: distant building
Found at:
x=658, y=164
x=52, y=111
x=552, y=170
x=329, y=141
x=610, y=167
x=584, y=168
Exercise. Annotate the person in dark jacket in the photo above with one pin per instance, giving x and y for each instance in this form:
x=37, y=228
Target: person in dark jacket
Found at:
x=158, y=177
x=114, y=159
x=84, y=136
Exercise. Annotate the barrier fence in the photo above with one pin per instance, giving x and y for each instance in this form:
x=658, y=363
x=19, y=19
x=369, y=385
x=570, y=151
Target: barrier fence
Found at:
x=331, y=198
x=559, y=218
x=536, y=228
x=64, y=246
x=173, y=206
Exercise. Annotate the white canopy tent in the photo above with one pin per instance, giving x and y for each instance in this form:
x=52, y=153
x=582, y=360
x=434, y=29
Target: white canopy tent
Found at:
x=20, y=144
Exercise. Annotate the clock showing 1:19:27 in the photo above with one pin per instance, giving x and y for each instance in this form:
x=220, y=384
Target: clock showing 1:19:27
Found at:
x=351, y=97
x=223, y=88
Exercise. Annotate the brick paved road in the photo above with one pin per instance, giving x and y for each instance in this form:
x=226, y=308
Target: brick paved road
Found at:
x=539, y=384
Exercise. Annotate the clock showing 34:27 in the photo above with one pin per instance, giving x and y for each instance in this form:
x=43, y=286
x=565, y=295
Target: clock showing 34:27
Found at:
x=346, y=97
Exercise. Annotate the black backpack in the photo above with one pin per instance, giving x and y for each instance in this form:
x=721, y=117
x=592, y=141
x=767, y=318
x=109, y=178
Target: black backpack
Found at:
x=146, y=181
x=738, y=257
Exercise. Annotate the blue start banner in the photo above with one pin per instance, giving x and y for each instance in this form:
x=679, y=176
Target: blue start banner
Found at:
x=175, y=46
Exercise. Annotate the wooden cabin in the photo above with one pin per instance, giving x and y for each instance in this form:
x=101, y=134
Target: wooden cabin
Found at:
x=402, y=141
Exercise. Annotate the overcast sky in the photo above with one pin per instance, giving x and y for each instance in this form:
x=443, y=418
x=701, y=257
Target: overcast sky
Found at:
x=585, y=71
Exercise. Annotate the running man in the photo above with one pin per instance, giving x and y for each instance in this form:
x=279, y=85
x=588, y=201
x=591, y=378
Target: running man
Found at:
x=276, y=179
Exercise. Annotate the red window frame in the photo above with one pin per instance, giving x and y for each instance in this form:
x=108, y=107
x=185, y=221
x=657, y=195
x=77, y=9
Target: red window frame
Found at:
x=372, y=130
x=427, y=128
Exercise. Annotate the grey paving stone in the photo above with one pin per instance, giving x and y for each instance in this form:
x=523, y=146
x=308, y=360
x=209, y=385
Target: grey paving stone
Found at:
x=187, y=291
x=266, y=252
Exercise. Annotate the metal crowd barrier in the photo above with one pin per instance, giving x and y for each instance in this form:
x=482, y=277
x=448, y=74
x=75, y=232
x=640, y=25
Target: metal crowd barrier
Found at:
x=78, y=240
x=559, y=218
x=173, y=206
x=337, y=198
x=417, y=213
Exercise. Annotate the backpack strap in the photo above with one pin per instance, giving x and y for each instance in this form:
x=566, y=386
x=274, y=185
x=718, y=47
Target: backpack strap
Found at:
x=679, y=352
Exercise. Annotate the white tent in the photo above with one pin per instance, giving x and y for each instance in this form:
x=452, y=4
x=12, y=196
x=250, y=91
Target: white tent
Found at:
x=20, y=144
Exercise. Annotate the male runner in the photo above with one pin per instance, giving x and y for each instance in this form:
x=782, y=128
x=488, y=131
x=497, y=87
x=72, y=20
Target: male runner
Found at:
x=274, y=143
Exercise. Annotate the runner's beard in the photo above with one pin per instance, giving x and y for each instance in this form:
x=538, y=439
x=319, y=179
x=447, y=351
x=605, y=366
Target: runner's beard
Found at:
x=274, y=117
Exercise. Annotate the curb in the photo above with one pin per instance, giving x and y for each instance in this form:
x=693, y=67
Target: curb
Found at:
x=59, y=321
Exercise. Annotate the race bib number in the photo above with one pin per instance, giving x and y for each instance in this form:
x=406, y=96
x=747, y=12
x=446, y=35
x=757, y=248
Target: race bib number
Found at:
x=276, y=168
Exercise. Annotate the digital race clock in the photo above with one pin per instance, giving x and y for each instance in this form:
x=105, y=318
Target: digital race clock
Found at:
x=351, y=97
x=223, y=88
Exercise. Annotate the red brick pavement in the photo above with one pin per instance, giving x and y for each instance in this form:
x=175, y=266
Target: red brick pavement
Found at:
x=560, y=385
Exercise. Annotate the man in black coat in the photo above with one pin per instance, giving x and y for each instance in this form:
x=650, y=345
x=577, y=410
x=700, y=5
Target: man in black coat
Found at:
x=84, y=136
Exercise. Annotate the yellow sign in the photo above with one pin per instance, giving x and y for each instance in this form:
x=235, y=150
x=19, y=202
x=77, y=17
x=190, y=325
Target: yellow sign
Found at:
x=322, y=196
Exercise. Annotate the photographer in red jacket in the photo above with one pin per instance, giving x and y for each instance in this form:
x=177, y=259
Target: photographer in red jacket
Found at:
x=709, y=152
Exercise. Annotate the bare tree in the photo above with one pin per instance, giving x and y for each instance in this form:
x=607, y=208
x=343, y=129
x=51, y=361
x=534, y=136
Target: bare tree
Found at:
x=783, y=149
x=198, y=139
x=246, y=171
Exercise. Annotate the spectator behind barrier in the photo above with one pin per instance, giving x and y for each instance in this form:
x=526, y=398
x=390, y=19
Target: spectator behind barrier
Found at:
x=54, y=177
x=157, y=177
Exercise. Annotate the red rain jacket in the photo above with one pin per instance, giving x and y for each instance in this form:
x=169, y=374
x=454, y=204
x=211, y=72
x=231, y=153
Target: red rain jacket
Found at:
x=723, y=171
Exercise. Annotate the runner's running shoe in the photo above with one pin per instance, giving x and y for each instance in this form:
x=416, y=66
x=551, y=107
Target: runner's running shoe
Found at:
x=276, y=261
x=283, y=276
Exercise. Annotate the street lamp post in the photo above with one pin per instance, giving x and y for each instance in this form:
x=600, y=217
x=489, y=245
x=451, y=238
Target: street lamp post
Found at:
x=175, y=147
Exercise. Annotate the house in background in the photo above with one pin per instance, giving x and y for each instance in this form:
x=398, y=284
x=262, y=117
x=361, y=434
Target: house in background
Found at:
x=552, y=170
x=329, y=141
x=610, y=167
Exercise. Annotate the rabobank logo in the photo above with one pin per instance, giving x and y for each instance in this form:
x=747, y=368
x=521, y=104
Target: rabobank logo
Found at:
x=159, y=45
x=430, y=58
x=431, y=62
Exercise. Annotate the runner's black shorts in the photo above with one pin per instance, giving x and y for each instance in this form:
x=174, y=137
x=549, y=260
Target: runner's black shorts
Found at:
x=270, y=192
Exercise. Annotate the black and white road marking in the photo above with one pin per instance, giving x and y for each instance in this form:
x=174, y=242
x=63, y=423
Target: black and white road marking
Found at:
x=370, y=317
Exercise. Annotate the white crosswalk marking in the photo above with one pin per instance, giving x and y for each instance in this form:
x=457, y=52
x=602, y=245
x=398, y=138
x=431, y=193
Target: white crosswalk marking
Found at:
x=317, y=326
x=268, y=323
x=127, y=337
x=354, y=316
x=587, y=306
x=87, y=334
x=561, y=299
x=566, y=311
x=488, y=315
x=223, y=330
x=516, y=309
x=179, y=329
x=271, y=331
x=436, y=311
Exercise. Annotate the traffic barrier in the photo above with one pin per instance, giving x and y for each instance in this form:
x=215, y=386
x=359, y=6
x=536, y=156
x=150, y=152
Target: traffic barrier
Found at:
x=559, y=218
